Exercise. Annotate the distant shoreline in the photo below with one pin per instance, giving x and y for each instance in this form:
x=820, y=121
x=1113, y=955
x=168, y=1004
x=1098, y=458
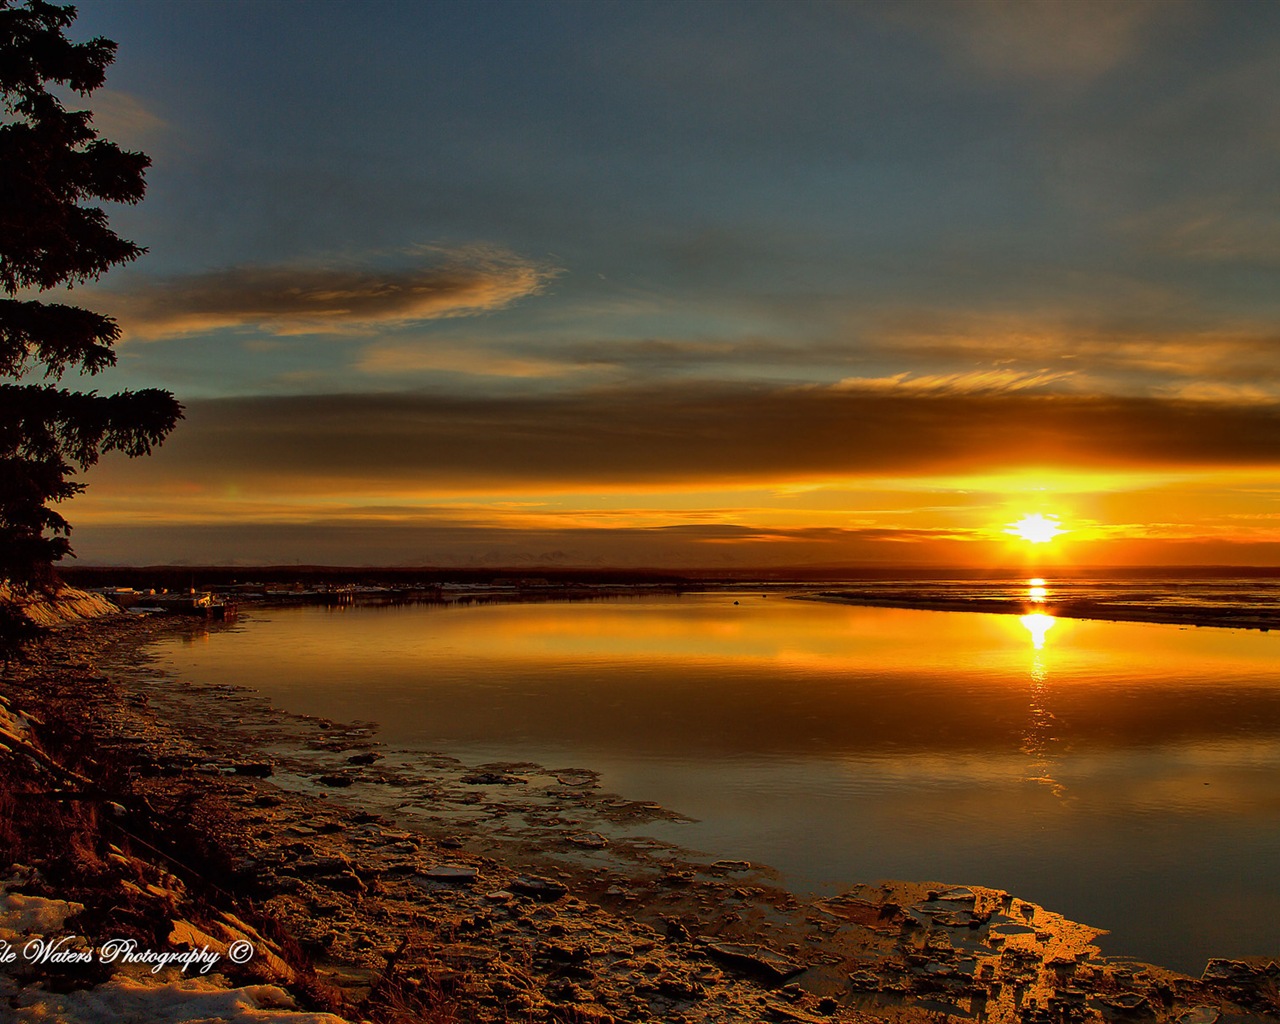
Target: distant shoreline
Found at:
x=549, y=577
x=1184, y=615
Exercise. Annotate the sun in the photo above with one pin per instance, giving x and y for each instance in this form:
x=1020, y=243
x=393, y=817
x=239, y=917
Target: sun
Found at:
x=1037, y=529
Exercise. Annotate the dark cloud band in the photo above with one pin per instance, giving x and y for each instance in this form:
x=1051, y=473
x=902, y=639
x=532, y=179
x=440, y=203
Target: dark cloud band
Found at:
x=692, y=436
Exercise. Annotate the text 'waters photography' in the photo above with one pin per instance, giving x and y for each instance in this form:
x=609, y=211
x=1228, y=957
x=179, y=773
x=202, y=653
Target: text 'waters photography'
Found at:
x=685, y=512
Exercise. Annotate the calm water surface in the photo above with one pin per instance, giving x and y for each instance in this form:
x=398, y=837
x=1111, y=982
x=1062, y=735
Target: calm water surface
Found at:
x=1124, y=774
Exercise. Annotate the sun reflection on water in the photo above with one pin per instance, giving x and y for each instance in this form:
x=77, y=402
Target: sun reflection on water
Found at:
x=1040, y=736
x=1038, y=625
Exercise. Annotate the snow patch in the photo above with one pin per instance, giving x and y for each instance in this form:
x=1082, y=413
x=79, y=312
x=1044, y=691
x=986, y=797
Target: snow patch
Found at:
x=63, y=606
x=33, y=915
x=124, y=1000
x=12, y=722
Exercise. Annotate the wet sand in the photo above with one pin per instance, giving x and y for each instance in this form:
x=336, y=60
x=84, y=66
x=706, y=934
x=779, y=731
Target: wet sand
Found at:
x=392, y=885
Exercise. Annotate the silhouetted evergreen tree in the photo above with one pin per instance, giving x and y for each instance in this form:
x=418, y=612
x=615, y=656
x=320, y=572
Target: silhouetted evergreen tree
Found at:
x=53, y=166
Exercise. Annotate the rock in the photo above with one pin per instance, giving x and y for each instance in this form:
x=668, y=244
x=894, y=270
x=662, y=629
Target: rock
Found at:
x=563, y=954
x=493, y=779
x=789, y=1015
x=1228, y=971
x=758, y=960
x=1126, y=1002
x=574, y=1013
x=314, y=865
x=368, y=757
x=575, y=776
x=336, y=781
x=1009, y=928
x=347, y=881
x=1200, y=1015
x=254, y=769
x=458, y=874
x=272, y=883
x=591, y=840
x=955, y=919
x=545, y=890
x=675, y=987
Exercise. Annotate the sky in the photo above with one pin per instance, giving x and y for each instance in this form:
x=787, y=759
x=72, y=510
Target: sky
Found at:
x=695, y=284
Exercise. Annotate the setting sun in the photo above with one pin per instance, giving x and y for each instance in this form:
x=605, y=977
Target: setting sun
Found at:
x=1037, y=529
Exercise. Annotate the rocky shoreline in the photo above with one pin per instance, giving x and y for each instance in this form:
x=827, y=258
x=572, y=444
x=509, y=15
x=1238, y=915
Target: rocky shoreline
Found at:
x=381, y=885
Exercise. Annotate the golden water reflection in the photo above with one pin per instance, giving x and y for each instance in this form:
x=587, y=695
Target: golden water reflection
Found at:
x=1094, y=766
x=774, y=676
x=1040, y=738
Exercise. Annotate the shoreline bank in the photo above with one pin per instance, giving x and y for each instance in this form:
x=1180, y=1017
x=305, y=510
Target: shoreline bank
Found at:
x=496, y=892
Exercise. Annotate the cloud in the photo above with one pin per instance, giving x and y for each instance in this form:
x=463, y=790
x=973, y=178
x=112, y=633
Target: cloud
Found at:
x=408, y=542
x=392, y=360
x=1231, y=229
x=1236, y=394
x=688, y=437
x=1039, y=39
x=311, y=299
x=1142, y=356
x=416, y=539
x=125, y=120
x=973, y=382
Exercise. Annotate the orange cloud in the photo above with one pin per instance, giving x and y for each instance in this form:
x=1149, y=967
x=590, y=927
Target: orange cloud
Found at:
x=971, y=382
x=307, y=299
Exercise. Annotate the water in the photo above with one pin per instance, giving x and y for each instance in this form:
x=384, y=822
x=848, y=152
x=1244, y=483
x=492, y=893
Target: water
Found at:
x=1123, y=774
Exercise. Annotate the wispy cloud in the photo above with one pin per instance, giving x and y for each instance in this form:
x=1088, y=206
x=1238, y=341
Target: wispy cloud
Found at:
x=325, y=299
x=972, y=382
x=1108, y=355
x=393, y=360
x=1212, y=229
x=1040, y=39
x=1235, y=394
x=125, y=119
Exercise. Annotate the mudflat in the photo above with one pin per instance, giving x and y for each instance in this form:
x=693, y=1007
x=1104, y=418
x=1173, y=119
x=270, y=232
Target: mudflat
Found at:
x=384, y=885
